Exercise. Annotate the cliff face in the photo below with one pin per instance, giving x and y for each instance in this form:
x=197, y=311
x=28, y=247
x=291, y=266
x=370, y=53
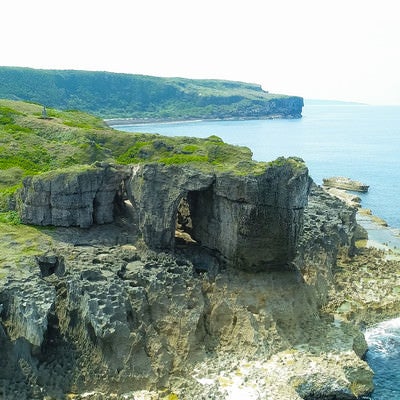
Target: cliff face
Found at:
x=96, y=313
x=74, y=198
x=251, y=222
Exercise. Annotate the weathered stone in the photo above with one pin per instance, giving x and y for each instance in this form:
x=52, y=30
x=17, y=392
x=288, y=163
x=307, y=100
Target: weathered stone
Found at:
x=252, y=221
x=156, y=191
x=329, y=231
x=114, y=319
x=122, y=323
x=72, y=198
x=26, y=307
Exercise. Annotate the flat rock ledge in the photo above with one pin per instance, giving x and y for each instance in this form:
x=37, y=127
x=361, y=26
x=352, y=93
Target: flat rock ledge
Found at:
x=341, y=182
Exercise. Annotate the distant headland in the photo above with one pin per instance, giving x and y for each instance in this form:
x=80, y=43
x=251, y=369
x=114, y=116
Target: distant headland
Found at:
x=141, y=97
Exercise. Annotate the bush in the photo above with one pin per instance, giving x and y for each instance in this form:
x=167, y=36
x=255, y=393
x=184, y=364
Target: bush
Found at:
x=10, y=217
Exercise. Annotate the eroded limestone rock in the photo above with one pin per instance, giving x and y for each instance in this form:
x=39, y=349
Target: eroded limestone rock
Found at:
x=72, y=198
x=330, y=230
x=26, y=305
x=253, y=221
x=111, y=319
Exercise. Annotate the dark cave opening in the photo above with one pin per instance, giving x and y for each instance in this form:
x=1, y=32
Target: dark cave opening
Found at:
x=192, y=219
x=184, y=224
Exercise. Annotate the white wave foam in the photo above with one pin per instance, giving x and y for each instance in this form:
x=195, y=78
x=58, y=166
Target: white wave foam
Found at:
x=384, y=338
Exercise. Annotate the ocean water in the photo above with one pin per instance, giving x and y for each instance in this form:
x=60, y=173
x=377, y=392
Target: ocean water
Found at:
x=358, y=141
x=361, y=142
x=384, y=358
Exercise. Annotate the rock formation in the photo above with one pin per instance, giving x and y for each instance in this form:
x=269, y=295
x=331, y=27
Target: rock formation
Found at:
x=94, y=313
x=72, y=198
x=341, y=182
x=250, y=221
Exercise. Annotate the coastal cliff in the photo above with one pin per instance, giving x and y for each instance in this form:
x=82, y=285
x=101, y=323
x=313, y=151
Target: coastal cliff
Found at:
x=123, y=308
x=249, y=221
x=148, y=267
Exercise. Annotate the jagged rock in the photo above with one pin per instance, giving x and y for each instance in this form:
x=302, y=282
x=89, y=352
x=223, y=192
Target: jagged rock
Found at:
x=329, y=231
x=27, y=304
x=114, y=319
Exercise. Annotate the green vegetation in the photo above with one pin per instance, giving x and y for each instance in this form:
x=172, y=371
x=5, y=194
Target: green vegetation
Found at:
x=18, y=243
x=10, y=217
x=30, y=145
x=112, y=95
x=69, y=141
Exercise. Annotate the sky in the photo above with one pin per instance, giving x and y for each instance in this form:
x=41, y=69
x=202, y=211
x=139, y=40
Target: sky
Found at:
x=319, y=49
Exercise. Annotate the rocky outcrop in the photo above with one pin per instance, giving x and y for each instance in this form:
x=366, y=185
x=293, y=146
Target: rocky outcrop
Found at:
x=330, y=230
x=26, y=305
x=345, y=183
x=252, y=222
x=72, y=197
x=111, y=319
x=249, y=221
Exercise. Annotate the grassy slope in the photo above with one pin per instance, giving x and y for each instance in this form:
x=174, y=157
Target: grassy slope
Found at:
x=113, y=95
x=30, y=144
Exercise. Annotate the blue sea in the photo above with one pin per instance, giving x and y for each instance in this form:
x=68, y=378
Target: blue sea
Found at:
x=361, y=142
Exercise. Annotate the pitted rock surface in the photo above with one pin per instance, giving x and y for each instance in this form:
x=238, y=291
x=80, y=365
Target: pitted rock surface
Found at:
x=119, y=320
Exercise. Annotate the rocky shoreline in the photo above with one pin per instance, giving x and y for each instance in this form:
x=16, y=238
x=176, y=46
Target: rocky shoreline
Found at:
x=340, y=182
x=99, y=315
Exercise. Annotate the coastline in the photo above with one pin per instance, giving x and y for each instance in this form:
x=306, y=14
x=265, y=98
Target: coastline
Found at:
x=367, y=286
x=147, y=121
x=380, y=234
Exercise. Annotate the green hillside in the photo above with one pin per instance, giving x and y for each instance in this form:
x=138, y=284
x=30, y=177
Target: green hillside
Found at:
x=31, y=144
x=112, y=95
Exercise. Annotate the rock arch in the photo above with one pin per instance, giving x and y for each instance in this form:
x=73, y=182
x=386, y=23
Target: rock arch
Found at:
x=157, y=191
x=252, y=221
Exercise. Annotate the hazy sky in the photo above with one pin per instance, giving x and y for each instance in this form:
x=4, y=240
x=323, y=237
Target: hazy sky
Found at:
x=342, y=49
